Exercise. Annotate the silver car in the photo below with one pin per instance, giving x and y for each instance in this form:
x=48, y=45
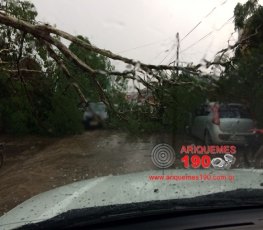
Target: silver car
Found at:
x=223, y=123
x=95, y=114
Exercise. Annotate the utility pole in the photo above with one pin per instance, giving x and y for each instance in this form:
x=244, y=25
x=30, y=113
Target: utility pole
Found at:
x=177, y=52
x=177, y=73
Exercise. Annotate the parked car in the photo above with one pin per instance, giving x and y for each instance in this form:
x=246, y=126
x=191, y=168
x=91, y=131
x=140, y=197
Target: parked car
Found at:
x=223, y=123
x=95, y=114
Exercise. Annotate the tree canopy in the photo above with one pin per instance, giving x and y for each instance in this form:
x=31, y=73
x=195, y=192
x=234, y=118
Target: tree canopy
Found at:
x=36, y=94
x=243, y=80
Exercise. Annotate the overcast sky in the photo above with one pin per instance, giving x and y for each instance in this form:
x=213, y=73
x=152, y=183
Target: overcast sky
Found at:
x=124, y=25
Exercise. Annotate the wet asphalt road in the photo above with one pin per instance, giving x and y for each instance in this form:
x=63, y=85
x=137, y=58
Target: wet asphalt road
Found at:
x=34, y=164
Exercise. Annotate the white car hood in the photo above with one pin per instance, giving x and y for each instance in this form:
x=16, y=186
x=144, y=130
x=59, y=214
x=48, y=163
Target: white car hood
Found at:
x=123, y=189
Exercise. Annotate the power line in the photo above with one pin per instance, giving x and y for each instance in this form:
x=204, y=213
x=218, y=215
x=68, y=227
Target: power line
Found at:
x=173, y=46
x=157, y=56
x=156, y=42
x=207, y=49
x=208, y=34
x=144, y=45
x=170, y=50
x=225, y=24
x=191, y=30
x=210, y=12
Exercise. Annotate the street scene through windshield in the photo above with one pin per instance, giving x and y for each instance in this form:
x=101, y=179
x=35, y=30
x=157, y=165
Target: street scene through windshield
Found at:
x=123, y=102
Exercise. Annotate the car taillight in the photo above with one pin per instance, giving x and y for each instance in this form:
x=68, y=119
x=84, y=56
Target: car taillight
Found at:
x=215, y=116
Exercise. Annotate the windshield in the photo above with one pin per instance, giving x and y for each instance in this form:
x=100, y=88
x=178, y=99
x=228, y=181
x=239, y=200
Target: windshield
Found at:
x=106, y=102
x=232, y=111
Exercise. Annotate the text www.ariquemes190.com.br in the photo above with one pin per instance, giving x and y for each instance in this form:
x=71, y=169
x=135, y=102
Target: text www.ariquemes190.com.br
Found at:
x=200, y=177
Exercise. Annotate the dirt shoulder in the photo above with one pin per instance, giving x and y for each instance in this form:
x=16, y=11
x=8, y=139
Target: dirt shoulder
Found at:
x=33, y=164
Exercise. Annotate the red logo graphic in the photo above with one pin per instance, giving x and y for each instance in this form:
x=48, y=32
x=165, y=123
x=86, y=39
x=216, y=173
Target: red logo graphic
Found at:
x=194, y=156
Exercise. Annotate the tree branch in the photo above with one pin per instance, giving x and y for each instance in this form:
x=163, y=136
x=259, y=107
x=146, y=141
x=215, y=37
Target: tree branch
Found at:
x=44, y=31
x=21, y=70
x=61, y=64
